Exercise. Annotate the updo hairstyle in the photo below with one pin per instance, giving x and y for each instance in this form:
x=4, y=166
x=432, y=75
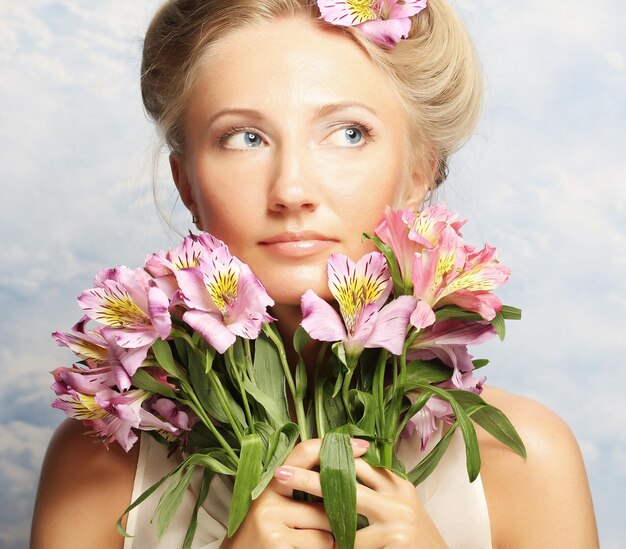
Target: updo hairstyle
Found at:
x=435, y=71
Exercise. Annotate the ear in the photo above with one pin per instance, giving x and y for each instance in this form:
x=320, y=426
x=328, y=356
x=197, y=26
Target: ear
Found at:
x=181, y=180
x=421, y=184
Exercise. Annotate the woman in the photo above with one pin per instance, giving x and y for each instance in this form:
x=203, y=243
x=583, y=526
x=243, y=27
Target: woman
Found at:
x=288, y=137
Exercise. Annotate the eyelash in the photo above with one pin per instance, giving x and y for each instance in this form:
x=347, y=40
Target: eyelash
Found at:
x=234, y=131
x=365, y=129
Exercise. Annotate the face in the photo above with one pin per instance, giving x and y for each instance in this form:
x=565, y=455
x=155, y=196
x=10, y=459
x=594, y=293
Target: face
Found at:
x=294, y=145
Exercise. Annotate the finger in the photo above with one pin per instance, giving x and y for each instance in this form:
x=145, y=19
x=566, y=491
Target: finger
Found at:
x=376, y=478
x=312, y=538
x=305, y=515
x=287, y=479
x=307, y=454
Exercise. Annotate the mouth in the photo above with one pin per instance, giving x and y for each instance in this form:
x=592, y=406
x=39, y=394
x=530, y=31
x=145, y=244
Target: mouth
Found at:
x=298, y=243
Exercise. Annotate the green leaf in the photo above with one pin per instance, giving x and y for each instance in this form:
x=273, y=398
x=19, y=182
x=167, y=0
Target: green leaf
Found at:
x=273, y=413
x=338, y=481
x=143, y=380
x=472, y=453
x=171, y=499
x=498, y=324
x=480, y=363
x=492, y=420
x=163, y=354
x=280, y=444
x=248, y=474
x=453, y=311
x=364, y=411
x=301, y=379
x=144, y=496
x=424, y=468
x=207, y=477
x=424, y=372
x=340, y=352
x=269, y=375
x=338, y=384
x=333, y=408
x=415, y=407
x=300, y=339
x=511, y=313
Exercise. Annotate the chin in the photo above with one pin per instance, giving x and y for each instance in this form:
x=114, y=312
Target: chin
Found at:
x=287, y=286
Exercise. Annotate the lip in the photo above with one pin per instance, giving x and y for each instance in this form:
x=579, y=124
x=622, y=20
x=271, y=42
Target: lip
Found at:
x=298, y=243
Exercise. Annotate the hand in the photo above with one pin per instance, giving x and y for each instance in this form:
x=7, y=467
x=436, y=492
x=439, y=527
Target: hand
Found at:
x=396, y=516
x=277, y=521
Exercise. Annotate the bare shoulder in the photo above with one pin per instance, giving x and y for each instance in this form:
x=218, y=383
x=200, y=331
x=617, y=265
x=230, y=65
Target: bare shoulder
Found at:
x=83, y=489
x=543, y=501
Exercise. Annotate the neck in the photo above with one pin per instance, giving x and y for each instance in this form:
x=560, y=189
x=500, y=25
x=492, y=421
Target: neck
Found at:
x=288, y=318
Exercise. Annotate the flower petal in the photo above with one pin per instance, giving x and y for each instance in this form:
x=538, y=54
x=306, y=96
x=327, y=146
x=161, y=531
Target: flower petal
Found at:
x=211, y=328
x=390, y=327
x=347, y=12
x=320, y=320
x=386, y=33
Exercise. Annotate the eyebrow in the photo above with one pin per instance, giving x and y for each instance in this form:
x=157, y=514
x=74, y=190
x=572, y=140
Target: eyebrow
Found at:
x=320, y=112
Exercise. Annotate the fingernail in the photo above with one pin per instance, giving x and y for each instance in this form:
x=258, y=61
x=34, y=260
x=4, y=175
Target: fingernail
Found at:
x=283, y=473
x=360, y=443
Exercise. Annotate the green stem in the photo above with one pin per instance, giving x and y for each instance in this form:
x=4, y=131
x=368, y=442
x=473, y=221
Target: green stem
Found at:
x=249, y=369
x=221, y=396
x=237, y=373
x=318, y=393
x=345, y=388
x=199, y=411
x=300, y=415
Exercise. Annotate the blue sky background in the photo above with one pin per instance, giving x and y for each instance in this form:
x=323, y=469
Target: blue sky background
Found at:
x=543, y=179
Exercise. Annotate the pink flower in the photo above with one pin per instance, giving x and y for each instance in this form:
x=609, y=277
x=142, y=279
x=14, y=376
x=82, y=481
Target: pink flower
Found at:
x=384, y=22
x=88, y=345
x=113, y=415
x=425, y=422
x=361, y=290
x=163, y=266
x=447, y=341
x=454, y=274
x=134, y=312
x=408, y=233
x=224, y=298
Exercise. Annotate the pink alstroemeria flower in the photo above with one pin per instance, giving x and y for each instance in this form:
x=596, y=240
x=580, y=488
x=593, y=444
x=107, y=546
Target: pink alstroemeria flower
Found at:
x=408, y=232
x=361, y=290
x=425, y=422
x=384, y=22
x=112, y=415
x=225, y=299
x=88, y=345
x=134, y=312
x=447, y=341
x=455, y=274
x=163, y=265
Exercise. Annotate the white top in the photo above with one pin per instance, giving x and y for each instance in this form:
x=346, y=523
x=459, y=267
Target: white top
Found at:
x=457, y=507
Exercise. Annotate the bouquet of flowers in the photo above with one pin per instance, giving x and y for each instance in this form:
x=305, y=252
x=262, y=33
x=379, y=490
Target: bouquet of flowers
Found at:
x=185, y=350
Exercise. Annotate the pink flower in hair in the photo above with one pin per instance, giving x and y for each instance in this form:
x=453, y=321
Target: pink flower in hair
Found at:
x=384, y=22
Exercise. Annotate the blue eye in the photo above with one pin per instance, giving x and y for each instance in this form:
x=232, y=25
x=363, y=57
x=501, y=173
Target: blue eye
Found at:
x=241, y=138
x=252, y=139
x=353, y=135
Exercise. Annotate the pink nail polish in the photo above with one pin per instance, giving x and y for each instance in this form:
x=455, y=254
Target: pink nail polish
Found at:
x=360, y=443
x=283, y=473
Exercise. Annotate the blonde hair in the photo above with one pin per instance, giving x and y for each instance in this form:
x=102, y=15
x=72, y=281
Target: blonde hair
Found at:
x=435, y=71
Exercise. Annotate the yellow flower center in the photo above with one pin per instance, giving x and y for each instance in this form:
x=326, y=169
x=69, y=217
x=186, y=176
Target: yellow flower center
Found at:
x=353, y=295
x=120, y=310
x=362, y=10
x=223, y=288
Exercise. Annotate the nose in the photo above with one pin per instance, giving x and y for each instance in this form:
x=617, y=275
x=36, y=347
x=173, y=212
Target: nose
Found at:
x=294, y=185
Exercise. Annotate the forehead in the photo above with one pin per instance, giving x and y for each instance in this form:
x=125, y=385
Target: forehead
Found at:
x=290, y=64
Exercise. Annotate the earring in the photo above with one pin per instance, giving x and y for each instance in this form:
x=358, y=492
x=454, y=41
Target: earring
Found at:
x=194, y=220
